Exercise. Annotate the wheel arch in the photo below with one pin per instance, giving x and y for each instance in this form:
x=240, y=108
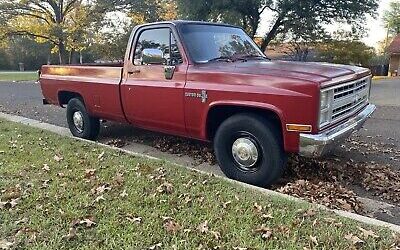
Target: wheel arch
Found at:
x=220, y=111
x=64, y=96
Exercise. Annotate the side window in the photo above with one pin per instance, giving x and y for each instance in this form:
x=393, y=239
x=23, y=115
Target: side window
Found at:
x=157, y=42
x=176, y=57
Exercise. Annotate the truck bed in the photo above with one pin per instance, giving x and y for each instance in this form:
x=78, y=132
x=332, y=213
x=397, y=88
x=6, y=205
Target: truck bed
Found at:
x=97, y=84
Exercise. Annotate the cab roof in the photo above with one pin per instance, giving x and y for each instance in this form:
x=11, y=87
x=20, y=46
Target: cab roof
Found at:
x=184, y=22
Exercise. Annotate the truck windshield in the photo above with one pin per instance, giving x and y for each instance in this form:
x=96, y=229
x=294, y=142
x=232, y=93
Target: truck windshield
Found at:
x=207, y=43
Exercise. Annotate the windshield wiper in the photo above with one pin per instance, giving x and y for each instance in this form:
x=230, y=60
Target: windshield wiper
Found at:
x=222, y=58
x=235, y=58
x=259, y=57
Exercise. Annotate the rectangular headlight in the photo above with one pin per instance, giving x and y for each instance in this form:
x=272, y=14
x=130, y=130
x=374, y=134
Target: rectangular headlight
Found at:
x=324, y=99
x=325, y=107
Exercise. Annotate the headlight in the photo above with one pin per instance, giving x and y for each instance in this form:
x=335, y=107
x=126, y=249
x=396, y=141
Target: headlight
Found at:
x=325, y=106
x=324, y=99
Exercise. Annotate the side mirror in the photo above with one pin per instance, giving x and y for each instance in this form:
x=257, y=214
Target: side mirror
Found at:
x=153, y=56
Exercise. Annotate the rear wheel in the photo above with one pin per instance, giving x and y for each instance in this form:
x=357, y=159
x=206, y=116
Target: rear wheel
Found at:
x=80, y=123
x=249, y=149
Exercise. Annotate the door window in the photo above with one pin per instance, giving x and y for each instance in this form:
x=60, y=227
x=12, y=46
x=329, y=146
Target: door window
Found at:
x=156, y=41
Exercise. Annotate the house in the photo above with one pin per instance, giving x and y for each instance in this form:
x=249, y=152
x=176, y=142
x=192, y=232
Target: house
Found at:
x=394, y=54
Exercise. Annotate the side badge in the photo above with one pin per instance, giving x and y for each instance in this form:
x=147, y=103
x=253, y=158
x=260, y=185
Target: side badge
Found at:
x=203, y=95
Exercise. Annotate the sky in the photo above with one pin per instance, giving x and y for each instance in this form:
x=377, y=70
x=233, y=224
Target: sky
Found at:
x=375, y=24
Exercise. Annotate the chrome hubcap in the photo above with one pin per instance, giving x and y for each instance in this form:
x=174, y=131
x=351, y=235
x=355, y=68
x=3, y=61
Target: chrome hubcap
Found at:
x=245, y=153
x=78, y=121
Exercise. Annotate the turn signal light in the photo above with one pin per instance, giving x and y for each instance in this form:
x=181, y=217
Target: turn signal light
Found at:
x=298, y=128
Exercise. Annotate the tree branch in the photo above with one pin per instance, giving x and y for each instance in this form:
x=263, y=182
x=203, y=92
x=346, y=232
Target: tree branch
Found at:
x=27, y=33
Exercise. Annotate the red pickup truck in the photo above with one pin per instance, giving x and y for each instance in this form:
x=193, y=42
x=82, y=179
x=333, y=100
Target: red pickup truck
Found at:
x=212, y=83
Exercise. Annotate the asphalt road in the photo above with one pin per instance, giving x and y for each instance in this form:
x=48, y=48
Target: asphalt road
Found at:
x=378, y=142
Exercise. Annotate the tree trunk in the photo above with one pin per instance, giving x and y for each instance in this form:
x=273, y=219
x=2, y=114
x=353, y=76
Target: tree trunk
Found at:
x=62, y=53
x=272, y=34
x=254, y=22
x=74, y=57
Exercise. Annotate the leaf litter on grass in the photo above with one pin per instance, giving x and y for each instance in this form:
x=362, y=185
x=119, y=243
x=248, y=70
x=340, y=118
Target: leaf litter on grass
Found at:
x=328, y=182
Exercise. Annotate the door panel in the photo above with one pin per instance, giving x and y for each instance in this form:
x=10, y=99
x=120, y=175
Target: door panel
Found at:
x=150, y=100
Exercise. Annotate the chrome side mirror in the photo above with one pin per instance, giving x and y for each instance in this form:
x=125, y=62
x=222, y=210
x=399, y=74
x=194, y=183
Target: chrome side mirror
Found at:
x=152, y=56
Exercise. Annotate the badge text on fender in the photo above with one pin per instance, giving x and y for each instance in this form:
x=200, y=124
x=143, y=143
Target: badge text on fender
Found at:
x=203, y=95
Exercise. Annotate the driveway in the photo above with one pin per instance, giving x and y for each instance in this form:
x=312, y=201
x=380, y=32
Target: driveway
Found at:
x=366, y=166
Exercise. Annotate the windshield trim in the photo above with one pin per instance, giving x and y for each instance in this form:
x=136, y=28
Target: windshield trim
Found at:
x=188, y=52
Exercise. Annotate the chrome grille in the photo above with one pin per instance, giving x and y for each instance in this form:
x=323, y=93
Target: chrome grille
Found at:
x=346, y=99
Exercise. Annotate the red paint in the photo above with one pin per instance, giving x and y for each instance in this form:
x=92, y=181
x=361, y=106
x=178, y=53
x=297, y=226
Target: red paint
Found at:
x=146, y=99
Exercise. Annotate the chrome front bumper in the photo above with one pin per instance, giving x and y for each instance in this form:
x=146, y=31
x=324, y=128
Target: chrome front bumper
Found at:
x=314, y=146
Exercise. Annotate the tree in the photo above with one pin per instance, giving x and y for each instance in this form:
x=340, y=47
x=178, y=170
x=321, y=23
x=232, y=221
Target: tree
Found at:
x=286, y=13
x=391, y=18
x=245, y=13
x=321, y=12
x=345, y=48
x=24, y=50
x=110, y=43
x=63, y=23
x=143, y=11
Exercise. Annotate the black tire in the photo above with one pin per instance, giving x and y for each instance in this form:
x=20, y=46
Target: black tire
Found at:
x=263, y=134
x=91, y=125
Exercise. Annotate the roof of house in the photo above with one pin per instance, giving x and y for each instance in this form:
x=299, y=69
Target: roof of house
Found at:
x=394, y=47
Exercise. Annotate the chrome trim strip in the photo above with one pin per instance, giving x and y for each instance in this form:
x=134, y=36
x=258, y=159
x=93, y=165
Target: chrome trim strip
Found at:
x=318, y=145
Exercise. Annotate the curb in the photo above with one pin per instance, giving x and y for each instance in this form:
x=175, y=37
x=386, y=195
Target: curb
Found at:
x=65, y=132
x=377, y=78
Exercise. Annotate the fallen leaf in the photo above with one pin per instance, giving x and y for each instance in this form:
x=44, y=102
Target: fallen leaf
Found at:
x=267, y=216
x=46, y=167
x=123, y=194
x=265, y=232
x=87, y=222
x=5, y=244
x=103, y=188
x=99, y=198
x=21, y=221
x=310, y=213
x=9, y=204
x=258, y=208
x=314, y=240
x=90, y=173
x=119, y=179
x=368, y=233
x=225, y=205
x=58, y=158
x=134, y=219
x=216, y=235
x=71, y=234
x=156, y=246
x=353, y=239
x=14, y=202
x=203, y=227
x=171, y=226
x=165, y=188
x=101, y=155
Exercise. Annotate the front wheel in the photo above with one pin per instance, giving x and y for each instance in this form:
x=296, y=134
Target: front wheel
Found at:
x=249, y=149
x=80, y=123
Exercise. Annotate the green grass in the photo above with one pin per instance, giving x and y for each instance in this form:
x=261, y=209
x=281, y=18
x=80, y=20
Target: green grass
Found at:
x=51, y=193
x=18, y=76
